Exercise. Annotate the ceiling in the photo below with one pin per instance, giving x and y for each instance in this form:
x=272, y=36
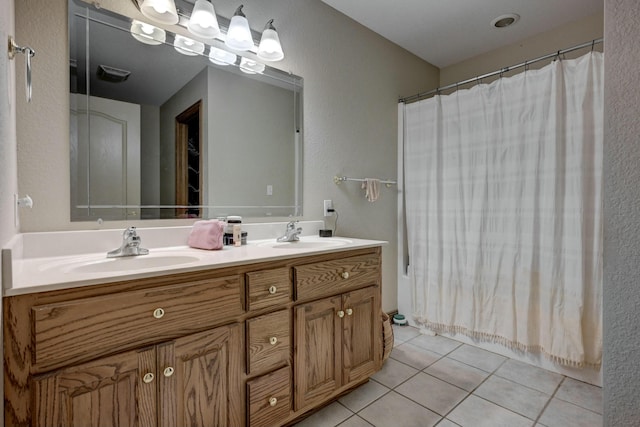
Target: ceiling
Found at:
x=445, y=32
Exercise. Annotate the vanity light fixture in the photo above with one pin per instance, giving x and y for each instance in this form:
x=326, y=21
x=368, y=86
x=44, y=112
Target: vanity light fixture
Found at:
x=203, y=22
x=221, y=57
x=163, y=11
x=239, y=33
x=147, y=33
x=270, y=48
x=187, y=46
x=250, y=66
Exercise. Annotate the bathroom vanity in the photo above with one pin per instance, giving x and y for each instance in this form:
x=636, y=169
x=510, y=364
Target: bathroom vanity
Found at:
x=258, y=341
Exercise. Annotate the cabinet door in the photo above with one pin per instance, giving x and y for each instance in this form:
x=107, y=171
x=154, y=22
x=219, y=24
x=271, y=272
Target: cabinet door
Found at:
x=362, y=334
x=107, y=392
x=200, y=382
x=317, y=356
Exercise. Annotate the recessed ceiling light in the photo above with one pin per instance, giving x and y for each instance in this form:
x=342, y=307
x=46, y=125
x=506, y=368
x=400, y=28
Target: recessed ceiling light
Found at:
x=503, y=21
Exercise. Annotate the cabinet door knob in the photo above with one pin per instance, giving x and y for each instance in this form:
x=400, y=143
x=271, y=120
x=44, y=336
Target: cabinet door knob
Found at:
x=341, y=314
x=168, y=371
x=148, y=377
x=345, y=274
x=273, y=340
x=158, y=313
x=349, y=312
x=272, y=290
x=273, y=401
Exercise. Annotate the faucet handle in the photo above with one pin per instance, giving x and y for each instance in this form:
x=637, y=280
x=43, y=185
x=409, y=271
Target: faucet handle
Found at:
x=129, y=232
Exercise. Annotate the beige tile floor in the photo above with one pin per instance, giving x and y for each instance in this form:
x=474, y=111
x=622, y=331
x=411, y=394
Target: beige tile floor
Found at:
x=432, y=380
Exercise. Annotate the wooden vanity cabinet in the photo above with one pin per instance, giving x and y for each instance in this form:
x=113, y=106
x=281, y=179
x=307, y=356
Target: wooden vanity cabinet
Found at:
x=194, y=380
x=337, y=342
x=256, y=345
x=108, y=390
x=338, y=338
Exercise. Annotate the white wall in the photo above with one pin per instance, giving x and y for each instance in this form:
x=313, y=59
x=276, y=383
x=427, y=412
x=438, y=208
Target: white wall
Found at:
x=150, y=159
x=8, y=164
x=571, y=34
x=253, y=125
x=352, y=81
x=622, y=214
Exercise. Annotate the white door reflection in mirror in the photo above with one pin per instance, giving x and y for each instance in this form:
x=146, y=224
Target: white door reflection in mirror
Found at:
x=105, y=159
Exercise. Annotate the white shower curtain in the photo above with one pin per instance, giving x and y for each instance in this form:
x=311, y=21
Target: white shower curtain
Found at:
x=503, y=194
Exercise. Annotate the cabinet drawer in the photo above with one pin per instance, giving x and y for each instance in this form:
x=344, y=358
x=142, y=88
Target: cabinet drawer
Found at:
x=78, y=330
x=269, y=341
x=269, y=398
x=336, y=276
x=268, y=288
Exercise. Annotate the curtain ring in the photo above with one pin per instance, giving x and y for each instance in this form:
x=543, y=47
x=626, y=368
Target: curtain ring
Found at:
x=526, y=66
x=593, y=45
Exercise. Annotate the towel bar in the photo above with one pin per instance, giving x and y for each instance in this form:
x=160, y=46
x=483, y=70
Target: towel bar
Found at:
x=338, y=179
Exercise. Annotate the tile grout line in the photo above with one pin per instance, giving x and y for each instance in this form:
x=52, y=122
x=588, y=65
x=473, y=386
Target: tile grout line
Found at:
x=569, y=402
x=537, y=420
x=470, y=393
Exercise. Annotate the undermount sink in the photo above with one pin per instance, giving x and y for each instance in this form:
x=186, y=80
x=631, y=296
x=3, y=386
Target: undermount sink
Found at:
x=122, y=264
x=308, y=242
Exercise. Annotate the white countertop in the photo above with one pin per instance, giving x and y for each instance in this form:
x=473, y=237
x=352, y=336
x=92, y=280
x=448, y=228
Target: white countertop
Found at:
x=30, y=274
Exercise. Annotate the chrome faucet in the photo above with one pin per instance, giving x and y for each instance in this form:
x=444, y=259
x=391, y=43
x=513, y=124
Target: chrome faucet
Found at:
x=130, y=245
x=292, y=233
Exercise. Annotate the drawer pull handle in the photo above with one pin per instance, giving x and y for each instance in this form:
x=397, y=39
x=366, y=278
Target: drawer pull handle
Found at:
x=341, y=314
x=158, y=313
x=273, y=340
x=273, y=401
x=273, y=290
x=345, y=274
x=168, y=371
x=349, y=312
x=148, y=377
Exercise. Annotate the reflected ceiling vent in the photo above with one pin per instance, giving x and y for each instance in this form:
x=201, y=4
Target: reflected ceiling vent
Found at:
x=112, y=74
x=504, y=21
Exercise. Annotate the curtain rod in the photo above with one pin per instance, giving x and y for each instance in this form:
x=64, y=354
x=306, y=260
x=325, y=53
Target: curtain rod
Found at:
x=501, y=71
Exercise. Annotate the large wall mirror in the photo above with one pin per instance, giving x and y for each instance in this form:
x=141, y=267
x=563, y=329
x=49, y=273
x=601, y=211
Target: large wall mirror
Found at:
x=159, y=134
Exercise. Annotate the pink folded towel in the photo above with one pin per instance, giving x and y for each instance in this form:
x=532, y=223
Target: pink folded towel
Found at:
x=371, y=186
x=206, y=234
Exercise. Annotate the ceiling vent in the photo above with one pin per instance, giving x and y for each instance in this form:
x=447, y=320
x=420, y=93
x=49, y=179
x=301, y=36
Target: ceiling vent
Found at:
x=504, y=21
x=112, y=74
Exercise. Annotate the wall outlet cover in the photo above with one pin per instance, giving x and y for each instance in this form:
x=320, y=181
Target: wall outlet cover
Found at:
x=328, y=204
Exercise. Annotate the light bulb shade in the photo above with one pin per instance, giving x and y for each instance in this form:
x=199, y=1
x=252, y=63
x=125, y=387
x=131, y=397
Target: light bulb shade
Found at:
x=147, y=33
x=163, y=11
x=239, y=33
x=203, y=22
x=250, y=66
x=270, y=48
x=221, y=57
x=187, y=46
